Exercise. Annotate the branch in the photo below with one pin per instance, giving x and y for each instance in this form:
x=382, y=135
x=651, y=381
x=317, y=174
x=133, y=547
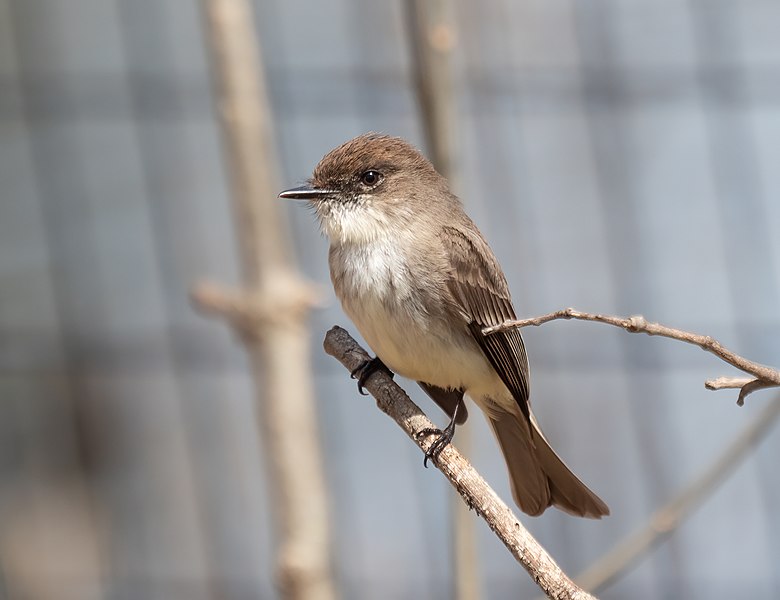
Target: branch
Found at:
x=763, y=376
x=269, y=311
x=669, y=517
x=283, y=300
x=475, y=491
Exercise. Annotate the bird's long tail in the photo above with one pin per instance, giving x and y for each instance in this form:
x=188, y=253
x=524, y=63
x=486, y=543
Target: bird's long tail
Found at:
x=538, y=476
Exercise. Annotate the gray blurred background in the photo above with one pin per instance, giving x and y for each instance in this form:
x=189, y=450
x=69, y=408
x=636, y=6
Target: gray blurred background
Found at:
x=621, y=157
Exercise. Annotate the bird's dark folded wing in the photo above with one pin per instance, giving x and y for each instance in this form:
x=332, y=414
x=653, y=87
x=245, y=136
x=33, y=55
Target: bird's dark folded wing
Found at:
x=447, y=400
x=481, y=293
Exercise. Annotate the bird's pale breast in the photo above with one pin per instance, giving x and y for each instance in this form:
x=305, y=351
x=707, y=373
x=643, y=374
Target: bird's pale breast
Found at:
x=390, y=309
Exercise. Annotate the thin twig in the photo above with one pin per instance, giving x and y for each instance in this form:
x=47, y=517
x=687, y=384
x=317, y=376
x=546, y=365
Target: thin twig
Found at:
x=764, y=376
x=475, y=491
x=725, y=383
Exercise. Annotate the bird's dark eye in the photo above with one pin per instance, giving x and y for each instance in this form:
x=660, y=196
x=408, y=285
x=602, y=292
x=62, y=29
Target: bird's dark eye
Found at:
x=371, y=178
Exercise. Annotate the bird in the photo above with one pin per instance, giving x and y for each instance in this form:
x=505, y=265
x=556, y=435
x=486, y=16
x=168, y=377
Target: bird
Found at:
x=417, y=278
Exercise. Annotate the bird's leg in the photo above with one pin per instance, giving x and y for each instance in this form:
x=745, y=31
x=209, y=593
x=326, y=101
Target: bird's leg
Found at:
x=444, y=437
x=368, y=368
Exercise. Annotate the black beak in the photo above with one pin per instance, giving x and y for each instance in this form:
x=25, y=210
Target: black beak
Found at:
x=305, y=192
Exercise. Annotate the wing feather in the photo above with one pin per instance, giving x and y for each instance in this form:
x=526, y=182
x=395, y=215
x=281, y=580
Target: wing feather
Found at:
x=480, y=290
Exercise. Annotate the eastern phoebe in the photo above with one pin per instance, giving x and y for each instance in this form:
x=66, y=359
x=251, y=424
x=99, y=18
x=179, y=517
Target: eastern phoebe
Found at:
x=419, y=281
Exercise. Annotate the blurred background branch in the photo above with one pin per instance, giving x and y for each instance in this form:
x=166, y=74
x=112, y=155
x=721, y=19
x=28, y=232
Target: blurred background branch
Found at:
x=667, y=519
x=272, y=308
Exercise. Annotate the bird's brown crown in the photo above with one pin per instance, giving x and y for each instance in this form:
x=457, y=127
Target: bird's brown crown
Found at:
x=343, y=166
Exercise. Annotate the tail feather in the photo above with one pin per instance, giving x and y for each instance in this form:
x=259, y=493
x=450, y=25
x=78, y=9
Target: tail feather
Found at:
x=538, y=476
x=530, y=485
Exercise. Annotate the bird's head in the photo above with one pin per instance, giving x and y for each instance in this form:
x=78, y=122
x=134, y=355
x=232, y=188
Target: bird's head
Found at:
x=370, y=186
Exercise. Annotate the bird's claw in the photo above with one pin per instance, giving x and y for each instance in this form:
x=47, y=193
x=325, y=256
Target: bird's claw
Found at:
x=366, y=369
x=443, y=439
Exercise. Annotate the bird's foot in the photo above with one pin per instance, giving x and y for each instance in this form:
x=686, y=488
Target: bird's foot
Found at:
x=368, y=368
x=443, y=439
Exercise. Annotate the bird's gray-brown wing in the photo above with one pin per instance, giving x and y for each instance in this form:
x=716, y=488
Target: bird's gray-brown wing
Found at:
x=480, y=291
x=539, y=477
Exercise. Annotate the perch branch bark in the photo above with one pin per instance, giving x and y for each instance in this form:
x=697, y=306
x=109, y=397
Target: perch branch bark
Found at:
x=475, y=491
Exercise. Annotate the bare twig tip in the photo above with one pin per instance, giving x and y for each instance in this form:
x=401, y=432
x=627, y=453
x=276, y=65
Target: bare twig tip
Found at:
x=752, y=386
x=763, y=375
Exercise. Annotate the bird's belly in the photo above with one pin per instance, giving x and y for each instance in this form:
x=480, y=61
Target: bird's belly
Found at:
x=404, y=322
x=416, y=346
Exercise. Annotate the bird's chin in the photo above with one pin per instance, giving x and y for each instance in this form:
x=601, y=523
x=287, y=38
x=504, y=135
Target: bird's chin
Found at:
x=350, y=222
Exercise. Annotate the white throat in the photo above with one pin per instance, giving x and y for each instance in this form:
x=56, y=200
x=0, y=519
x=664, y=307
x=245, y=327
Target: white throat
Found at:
x=355, y=222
